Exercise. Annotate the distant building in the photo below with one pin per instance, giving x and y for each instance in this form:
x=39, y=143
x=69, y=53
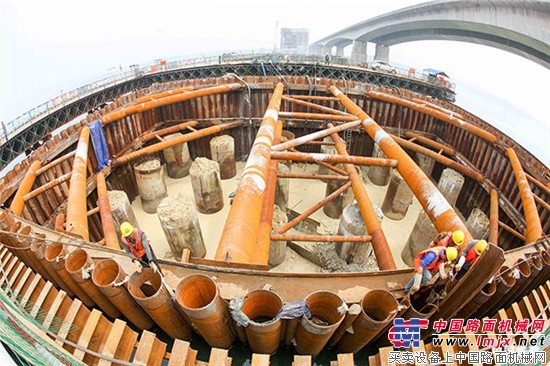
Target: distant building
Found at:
x=294, y=40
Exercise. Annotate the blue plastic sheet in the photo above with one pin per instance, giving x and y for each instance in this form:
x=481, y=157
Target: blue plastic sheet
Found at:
x=100, y=144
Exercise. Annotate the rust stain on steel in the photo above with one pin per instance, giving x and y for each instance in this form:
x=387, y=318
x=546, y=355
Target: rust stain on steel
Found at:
x=532, y=219
x=316, y=116
x=76, y=221
x=177, y=140
x=18, y=203
x=493, y=218
x=287, y=145
x=146, y=106
x=433, y=202
x=239, y=235
x=55, y=162
x=449, y=118
x=315, y=106
x=107, y=222
x=321, y=238
x=475, y=175
x=380, y=245
x=266, y=216
x=165, y=131
x=330, y=158
x=164, y=94
x=427, y=141
x=47, y=186
x=289, y=225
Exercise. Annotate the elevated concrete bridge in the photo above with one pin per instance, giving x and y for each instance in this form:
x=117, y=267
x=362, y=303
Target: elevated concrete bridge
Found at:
x=520, y=27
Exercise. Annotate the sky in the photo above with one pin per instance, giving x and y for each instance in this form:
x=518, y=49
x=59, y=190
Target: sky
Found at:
x=52, y=46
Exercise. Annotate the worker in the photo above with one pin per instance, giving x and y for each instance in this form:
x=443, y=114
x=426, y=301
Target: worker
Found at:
x=427, y=263
x=450, y=238
x=136, y=244
x=468, y=257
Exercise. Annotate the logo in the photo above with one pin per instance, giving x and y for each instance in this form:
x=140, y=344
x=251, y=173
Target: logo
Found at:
x=404, y=332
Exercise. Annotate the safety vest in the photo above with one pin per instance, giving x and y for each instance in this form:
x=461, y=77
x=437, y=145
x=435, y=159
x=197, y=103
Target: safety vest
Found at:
x=435, y=263
x=471, y=254
x=445, y=241
x=138, y=251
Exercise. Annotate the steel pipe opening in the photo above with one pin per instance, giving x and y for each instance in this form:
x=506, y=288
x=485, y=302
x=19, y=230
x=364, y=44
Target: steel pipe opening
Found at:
x=264, y=331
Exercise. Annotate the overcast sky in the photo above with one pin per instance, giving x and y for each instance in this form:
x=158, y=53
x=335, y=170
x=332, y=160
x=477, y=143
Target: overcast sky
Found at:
x=50, y=46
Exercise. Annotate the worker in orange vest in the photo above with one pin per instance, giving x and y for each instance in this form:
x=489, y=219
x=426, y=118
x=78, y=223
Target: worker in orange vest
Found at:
x=449, y=238
x=136, y=244
x=427, y=263
x=468, y=257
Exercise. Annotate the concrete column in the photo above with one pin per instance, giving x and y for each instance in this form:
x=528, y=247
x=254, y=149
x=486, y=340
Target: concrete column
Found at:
x=359, y=52
x=282, y=188
x=478, y=223
x=326, y=149
x=121, y=209
x=425, y=163
x=334, y=208
x=379, y=175
x=351, y=223
x=178, y=160
x=205, y=180
x=180, y=224
x=419, y=239
x=277, y=249
x=382, y=53
x=339, y=51
x=398, y=198
x=450, y=184
x=150, y=181
x=222, y=149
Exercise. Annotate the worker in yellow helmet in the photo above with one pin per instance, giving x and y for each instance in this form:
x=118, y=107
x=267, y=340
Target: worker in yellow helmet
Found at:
x=427, y=263
x=136, y=244
x=450, y=238
x=468, y=257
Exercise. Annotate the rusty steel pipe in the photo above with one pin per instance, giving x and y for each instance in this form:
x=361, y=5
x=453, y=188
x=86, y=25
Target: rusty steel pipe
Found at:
x=351, y=314
x=163, y=94
x=38, y=249
x=76, y=220
x=304, y=215
x=169, y=130
x=18, y=203
x=427, y=141
x=541, y=202
x=264, y=331
x=107, y=221
x=55, y=256
x=172, y=142
x=314, y=97
x=263, y=242
x=311, y=337
x=239, y=235
x=55, y=162
x=445, y=117
x=148, y=290
x=287, y=145
x=47, y=186
x=79, y=265
x=475, y=175
x=493, y=218
x=109, y=278
x=321, y=238
x=511, y=230
x=330, y=158
x=314, y=106
x=505, y=281
x=378, y=308
x=312, y=176
x=380, y=246
x=532, y=219
x=152, y=104
x=481, y=298
x=199, y=298
x=538, y=183
x=433, y=202
x=435, y=106
x=317, y=116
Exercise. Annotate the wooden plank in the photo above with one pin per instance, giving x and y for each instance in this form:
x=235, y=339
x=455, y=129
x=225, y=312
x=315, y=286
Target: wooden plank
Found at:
x=52, y=311
x=219, y=357
x=113, y=340
x=87, y=333
x=15, y=275
x=23, y=281
x=69, y=320
x=7, y=269
x=527, y=308
x=539, y=305
x=30, y=290
x=260, y=360
x=345, y=359
x=5, y=259
x=180, y=353
x=40, y=300
x=374, y=360
x=301, y=360
x=150, y=350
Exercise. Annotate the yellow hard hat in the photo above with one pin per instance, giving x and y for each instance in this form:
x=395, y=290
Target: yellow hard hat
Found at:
x=480, y=246
x=126, y=228
x=451, y=253
x=458, y=237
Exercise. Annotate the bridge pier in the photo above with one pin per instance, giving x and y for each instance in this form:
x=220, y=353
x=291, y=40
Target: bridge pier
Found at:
x=382, y=53
x=359, y=52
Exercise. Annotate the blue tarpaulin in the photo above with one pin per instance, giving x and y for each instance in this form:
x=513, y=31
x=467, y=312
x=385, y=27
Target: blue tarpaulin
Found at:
x=100, y=145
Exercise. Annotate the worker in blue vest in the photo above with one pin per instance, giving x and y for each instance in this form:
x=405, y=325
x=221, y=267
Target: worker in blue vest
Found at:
x=428, y=263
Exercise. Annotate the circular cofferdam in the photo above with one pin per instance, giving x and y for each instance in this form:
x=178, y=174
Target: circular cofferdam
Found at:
x=199, y=298
x=264, y=331
x=327, y=312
